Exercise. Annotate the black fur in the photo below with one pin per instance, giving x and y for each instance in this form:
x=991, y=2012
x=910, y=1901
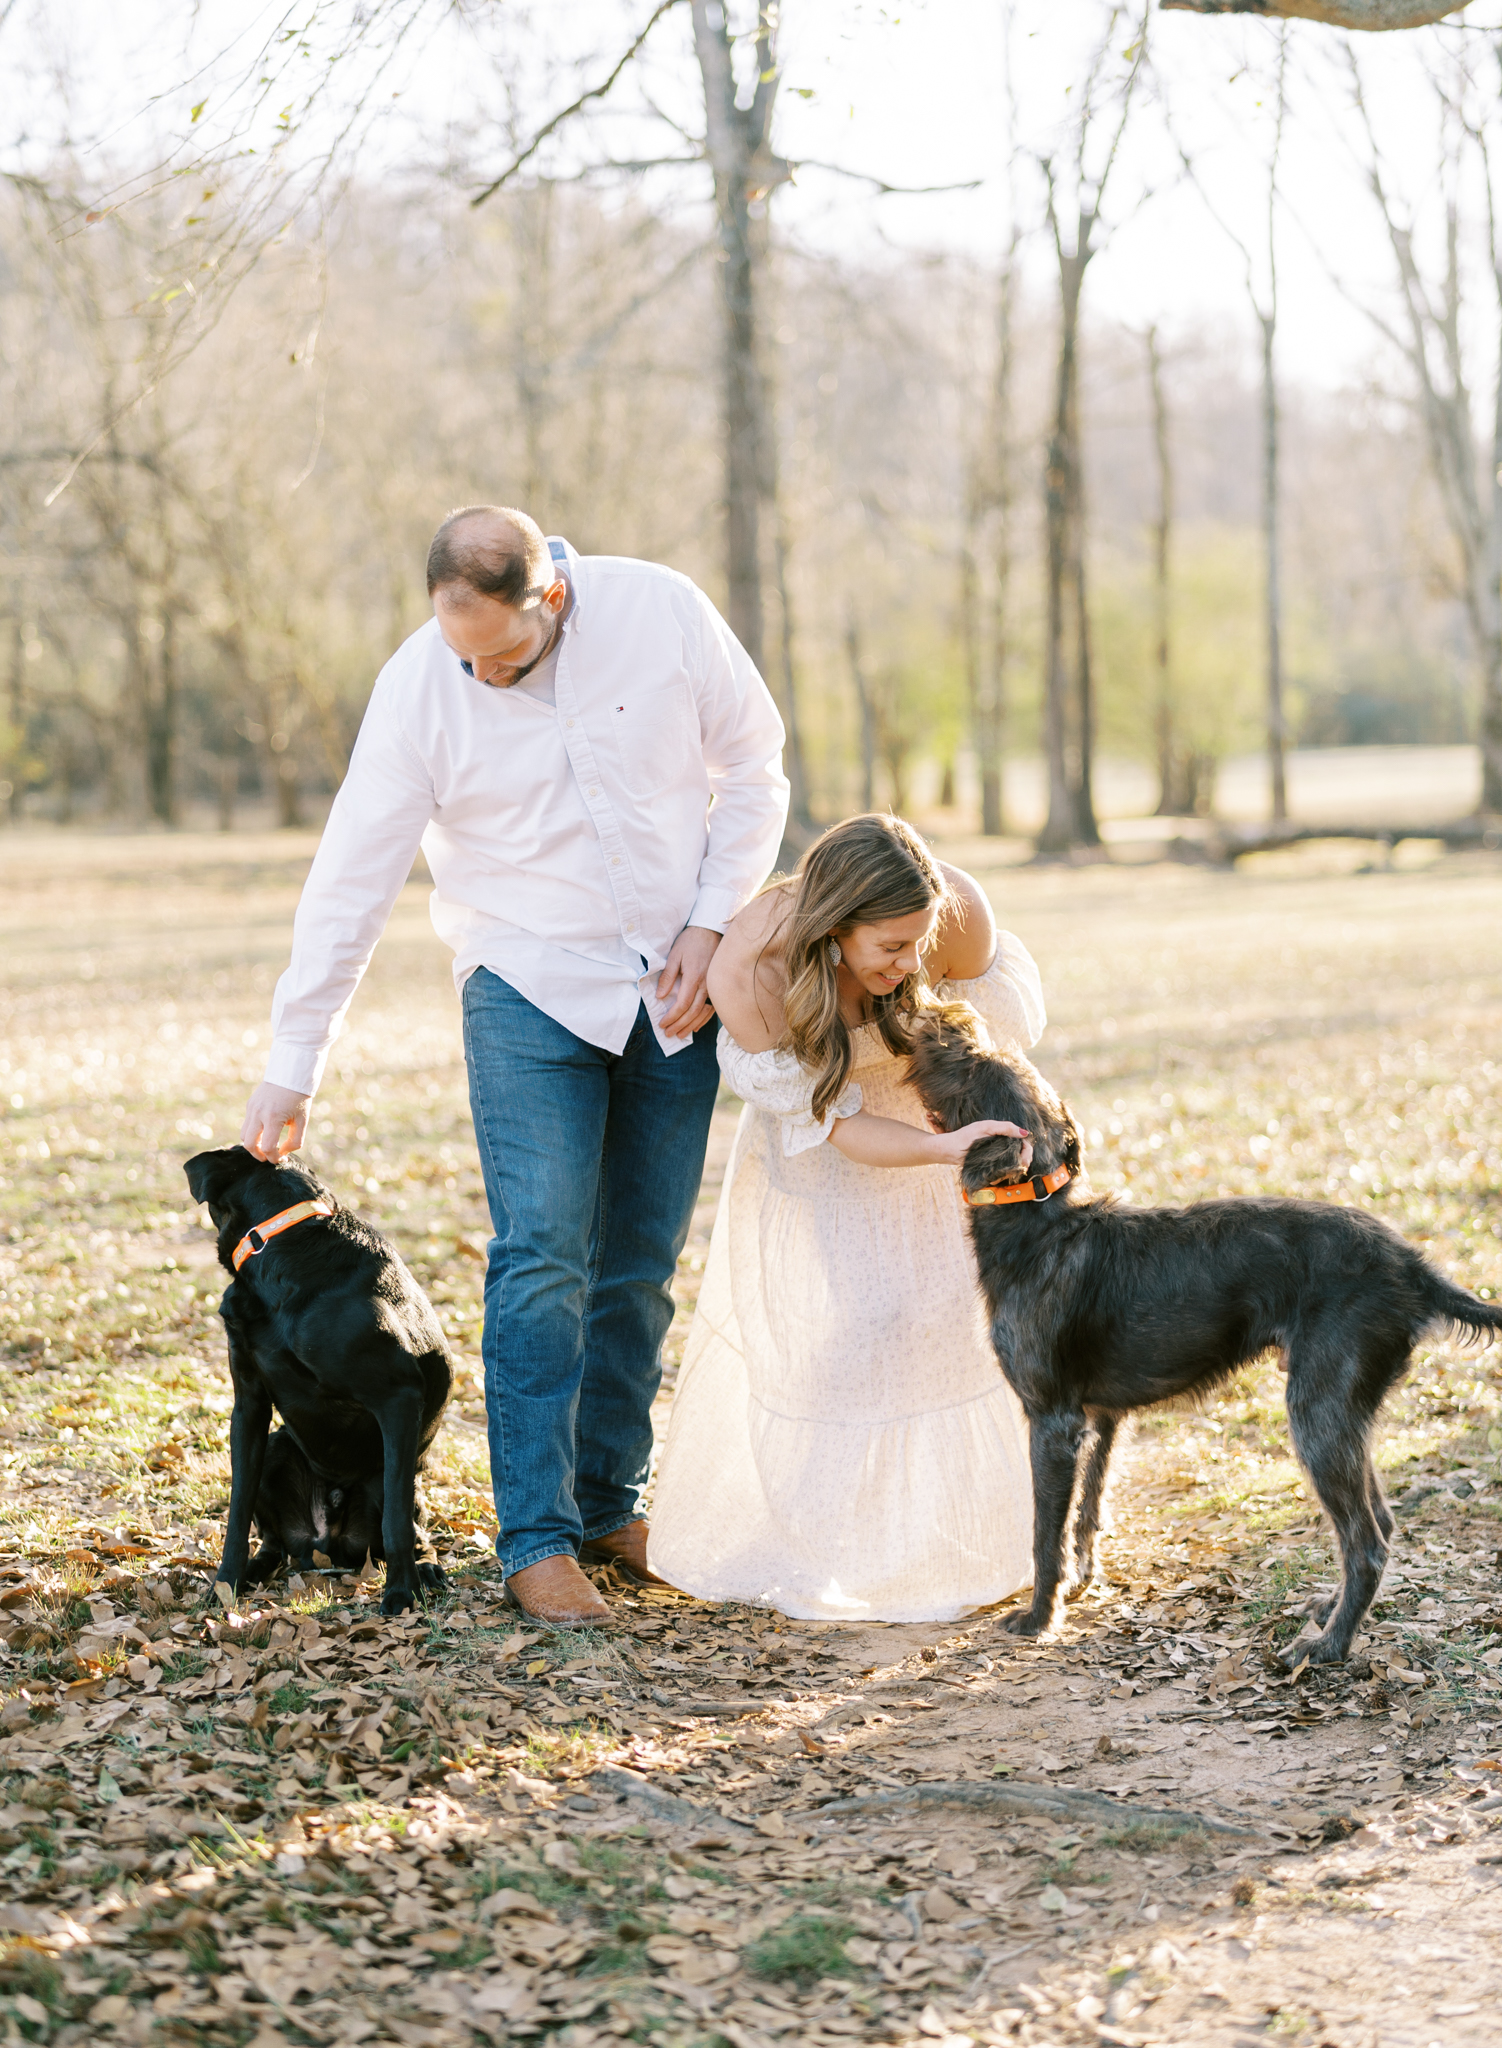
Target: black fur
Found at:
x=326, y=1325
x=1098, y=1308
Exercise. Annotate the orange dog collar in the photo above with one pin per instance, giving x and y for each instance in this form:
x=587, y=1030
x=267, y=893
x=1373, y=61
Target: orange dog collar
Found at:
x=1036, y=1190
x=254, y=1239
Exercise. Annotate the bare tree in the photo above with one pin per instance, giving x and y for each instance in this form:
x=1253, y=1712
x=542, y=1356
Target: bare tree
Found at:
x=1069, y=686
x=866, y=704
x=1169, y=795
x=1430, y=339
x=1264, y=302
x=987, y=547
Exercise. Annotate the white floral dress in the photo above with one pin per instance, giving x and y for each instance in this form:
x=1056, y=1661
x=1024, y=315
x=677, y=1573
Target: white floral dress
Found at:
x=842, y=1443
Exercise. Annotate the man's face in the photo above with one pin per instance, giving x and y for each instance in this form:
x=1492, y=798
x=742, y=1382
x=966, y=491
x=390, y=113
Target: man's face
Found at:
x=498, y=643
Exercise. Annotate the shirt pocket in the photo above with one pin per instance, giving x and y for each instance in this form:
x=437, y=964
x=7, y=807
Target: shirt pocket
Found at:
x=655, y=730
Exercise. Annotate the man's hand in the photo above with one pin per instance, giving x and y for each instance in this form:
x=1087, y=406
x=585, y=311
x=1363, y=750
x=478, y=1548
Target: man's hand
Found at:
x=681, y=982
x=276, y=1121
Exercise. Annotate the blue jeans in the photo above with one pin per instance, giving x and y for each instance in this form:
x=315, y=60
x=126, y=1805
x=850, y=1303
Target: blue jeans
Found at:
x=592, y=1162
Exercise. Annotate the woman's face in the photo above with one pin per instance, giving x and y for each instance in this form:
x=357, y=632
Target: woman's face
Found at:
x=881, y=956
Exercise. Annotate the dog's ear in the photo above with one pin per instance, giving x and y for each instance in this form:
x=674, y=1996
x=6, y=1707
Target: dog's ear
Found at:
x=1071, y=1154
x=992, y=1163
x=213, y=1176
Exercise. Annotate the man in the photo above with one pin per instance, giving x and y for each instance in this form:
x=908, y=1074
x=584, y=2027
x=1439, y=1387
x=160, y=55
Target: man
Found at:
x=592, y=766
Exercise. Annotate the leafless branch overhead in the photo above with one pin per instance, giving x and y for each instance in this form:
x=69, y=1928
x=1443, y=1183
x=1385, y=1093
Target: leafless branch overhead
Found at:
x=880, y=184
x=596, y=92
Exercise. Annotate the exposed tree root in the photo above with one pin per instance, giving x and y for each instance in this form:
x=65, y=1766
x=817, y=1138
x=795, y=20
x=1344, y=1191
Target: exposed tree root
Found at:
x=1062, y=1800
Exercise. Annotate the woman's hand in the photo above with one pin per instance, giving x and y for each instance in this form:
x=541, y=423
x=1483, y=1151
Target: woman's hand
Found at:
x=953, y=1145
x=883, y=1141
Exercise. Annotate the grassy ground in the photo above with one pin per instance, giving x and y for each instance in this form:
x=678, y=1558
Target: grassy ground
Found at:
x=301, y=1824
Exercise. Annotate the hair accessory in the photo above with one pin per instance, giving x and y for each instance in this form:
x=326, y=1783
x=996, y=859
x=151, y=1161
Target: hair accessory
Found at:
x=835, y=955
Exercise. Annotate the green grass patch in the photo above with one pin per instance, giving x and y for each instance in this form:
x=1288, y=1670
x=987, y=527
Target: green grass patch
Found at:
x=1144, y=1837
x=1285, y=1577
x=802, y=1950
x=571, y=1748
x=290, y=1698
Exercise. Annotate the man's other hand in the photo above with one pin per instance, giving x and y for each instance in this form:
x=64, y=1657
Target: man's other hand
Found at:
x=681, y=982
x=276, y=1122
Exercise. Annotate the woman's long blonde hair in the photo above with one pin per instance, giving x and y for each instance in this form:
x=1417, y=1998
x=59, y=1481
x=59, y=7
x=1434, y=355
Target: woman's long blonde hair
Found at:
x=864, y=871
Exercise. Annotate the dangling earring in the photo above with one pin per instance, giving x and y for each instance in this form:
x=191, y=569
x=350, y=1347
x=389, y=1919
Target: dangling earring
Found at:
x=835, y=955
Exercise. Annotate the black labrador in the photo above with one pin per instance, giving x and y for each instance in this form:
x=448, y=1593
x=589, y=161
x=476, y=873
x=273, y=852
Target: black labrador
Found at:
x=326, y=1325
x=1098, y=1308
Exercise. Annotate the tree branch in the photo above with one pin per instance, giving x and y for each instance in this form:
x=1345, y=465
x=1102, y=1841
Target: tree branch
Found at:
x=596, y=92
x=809, y=163
x=1359, y=14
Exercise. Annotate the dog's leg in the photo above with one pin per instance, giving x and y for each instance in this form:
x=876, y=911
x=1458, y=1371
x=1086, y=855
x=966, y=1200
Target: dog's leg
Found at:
x=1056, y=1440
x=264, y=1565
x=1332, y=1442
x=400, y=1418
x=249, y=1427
x=1381, y=1512
x=1087, y=1514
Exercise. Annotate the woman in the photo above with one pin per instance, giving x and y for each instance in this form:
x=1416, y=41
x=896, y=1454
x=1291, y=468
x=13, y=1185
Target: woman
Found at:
x=843, y=1443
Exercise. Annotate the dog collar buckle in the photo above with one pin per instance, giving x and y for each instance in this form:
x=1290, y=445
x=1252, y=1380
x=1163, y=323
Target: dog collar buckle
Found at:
x=1039, y=1189
x=257, y=1237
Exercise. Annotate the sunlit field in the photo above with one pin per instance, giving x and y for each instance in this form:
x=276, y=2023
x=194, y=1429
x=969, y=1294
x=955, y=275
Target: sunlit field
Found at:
x=294, y=1822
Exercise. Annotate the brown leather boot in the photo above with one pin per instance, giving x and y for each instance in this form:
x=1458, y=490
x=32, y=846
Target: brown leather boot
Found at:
x=626, y=1549
x=556, y=1592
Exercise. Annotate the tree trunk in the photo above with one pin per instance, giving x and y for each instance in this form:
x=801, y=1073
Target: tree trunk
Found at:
x=731, y=147
x=989, y=512
x=532, y=243
x=1276, y=726
x=1170, y=792
x=794, y=760
x=228, y=788
x=868, y=717
x=160, y=711
x=17, y=798
x=1058, y=831
x=1069, y=709
x=1086, y=828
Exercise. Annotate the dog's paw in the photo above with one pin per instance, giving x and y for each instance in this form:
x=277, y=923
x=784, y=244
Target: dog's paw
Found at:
x=1026, y=1623
x=1310, y=1647
x=1078, y=1588
x=432, y=1578
x=397, y=1599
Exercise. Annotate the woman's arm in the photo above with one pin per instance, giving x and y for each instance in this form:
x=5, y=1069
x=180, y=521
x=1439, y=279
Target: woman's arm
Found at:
x=886, y=1141
x=964, y=941
x=744, y=980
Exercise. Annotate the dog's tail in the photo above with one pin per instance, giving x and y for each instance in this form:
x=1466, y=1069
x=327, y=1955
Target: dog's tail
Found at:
x=1467, y=1314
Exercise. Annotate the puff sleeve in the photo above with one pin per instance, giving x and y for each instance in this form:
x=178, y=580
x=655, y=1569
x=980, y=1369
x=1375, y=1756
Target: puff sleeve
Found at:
x=774, y=1082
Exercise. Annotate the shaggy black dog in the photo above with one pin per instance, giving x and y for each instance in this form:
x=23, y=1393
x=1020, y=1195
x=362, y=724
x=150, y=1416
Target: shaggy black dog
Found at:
x=1098, y=1308
x=325, y=1324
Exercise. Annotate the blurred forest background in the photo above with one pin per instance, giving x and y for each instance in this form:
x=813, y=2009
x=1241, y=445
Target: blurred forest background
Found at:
x=964, y=521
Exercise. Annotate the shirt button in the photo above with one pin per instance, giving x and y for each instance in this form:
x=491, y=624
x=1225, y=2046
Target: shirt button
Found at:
x=632, y=926
x=569, y=723
x=615, y=860
x=591, y=791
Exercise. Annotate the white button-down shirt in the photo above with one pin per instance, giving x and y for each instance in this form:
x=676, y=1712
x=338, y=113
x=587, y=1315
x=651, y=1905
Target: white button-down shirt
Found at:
x=570, y=842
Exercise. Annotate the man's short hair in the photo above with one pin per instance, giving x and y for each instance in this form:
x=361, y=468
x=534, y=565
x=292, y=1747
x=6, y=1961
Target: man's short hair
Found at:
x=493, y=551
